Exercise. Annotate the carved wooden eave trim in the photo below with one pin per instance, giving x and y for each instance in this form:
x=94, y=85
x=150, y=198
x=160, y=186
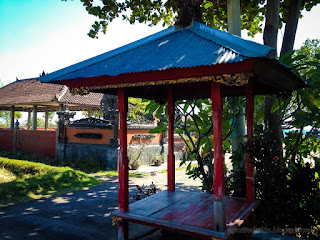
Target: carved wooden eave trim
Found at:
x=237, y=79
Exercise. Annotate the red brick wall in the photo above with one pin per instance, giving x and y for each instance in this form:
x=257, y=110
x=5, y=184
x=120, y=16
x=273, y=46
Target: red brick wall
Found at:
x=6, y=139
x=39, y=143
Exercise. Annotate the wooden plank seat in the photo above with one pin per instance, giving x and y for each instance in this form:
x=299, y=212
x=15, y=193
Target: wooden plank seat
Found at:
x=187, y=212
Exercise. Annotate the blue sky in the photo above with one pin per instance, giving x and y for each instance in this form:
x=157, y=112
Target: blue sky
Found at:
x=47, y=35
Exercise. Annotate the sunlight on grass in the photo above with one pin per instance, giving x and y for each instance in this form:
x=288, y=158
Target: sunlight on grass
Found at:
x=6, y=175
x=115, y=173
x=37, y=180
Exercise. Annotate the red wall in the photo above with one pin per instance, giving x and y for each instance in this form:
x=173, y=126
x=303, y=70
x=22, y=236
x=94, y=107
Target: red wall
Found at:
x=6, y=139
x=39, y=143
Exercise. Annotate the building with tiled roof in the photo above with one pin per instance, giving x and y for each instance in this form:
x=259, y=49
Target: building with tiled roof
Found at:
x=31, y=95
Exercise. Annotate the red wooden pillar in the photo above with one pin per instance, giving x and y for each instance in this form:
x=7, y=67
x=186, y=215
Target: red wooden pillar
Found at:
x=250, y=196
x=171, y=158
x=218, y=174
x=123, y=191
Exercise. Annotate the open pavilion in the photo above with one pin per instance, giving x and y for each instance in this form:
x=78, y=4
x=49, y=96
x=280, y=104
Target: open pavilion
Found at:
x=184, y=63
x=32, y=96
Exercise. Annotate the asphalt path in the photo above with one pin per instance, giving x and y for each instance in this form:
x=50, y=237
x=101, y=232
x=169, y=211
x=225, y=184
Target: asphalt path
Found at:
x=82, y=214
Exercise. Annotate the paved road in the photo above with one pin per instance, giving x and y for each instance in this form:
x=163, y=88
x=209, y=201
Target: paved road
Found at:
x=83, y=214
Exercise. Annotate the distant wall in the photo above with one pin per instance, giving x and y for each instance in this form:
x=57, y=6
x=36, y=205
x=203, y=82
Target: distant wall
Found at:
x=6, y=140
x=107, y=135
x=38, y=143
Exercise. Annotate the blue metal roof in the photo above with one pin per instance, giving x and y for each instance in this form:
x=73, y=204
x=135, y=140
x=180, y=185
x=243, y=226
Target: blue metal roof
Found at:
x=198, y=45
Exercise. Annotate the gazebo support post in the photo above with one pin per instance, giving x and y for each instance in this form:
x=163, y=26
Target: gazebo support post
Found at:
x=89, y=112
x=46, y=118
x=218, y=175
x=249, y=165
x=123, y=194
x=29, y=119
x=12, y=110
x=171, y=158
x=34, y=124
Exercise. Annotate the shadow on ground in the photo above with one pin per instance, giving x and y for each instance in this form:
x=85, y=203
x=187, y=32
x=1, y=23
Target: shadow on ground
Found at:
x=82, y=214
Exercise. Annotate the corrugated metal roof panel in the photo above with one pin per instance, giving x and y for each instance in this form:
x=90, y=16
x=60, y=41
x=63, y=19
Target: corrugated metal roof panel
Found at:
x=172, y=51
x=198, y=45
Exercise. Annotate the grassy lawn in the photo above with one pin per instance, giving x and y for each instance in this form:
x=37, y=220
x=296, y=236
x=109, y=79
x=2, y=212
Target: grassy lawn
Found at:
x=115, y=174
x=22, y=180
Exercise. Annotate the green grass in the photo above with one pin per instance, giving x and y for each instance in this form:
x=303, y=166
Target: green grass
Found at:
x=36, y=180
x=115, y=173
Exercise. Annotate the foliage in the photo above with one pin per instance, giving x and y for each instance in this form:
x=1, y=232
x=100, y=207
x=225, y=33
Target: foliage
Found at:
x=6, y=116
x=6, y=176
x=95, y=114
x=145, y=191
x=25, y=156
x=40, y=122
x=157, y=159
x=165, y=12
x=116, y=174
x=303, y=104
x=236, y=181
x=193, y=122
x=138, y=109
x=50, y=119
x=36, y=180
x=288, y=187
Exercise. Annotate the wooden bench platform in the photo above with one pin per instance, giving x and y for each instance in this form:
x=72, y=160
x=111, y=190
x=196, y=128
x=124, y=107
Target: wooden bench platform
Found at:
x=187, y=212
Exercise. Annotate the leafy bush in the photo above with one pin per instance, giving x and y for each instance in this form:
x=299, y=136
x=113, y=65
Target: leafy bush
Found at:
x=287, y=187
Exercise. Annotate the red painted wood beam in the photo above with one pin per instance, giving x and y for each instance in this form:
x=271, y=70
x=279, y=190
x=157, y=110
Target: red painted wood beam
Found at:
x=123, y=192
x=158, y=75
x=171, y=158
x=218, y=175
x=250, y=196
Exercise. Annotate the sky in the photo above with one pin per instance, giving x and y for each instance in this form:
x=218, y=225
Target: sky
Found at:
x=48, y=35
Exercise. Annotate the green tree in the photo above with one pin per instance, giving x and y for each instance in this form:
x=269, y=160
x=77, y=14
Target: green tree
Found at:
x=40, y=122
x=95, y=113
x=212, y=13
x=137, y=109
x=6, y=116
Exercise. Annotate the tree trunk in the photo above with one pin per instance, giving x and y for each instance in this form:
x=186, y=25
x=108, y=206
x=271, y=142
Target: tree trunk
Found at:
x=291, y=26
x=270, y=33
x=189, y=10
x=270, y=36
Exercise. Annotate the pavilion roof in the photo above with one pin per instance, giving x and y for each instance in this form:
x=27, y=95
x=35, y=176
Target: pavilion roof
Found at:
x=28, y=92
x=177, y=55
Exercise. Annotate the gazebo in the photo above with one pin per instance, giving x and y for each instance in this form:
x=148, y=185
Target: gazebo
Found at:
x=184, y=63
x=30, y=95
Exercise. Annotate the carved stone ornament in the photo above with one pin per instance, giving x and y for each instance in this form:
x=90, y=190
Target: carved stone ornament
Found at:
x=90, y=123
